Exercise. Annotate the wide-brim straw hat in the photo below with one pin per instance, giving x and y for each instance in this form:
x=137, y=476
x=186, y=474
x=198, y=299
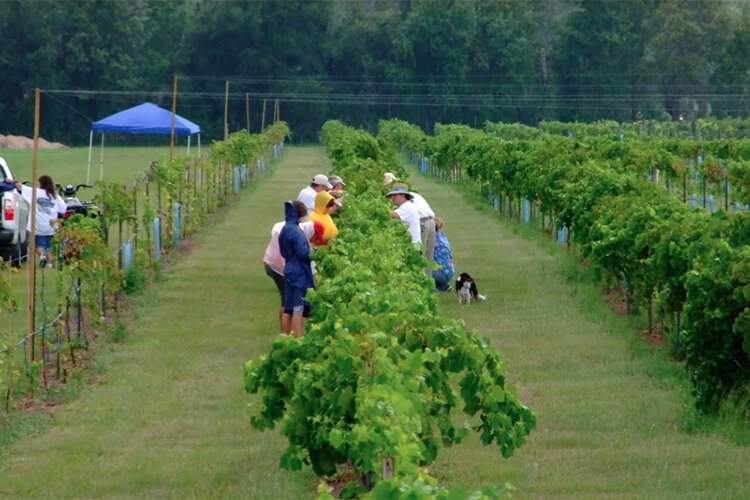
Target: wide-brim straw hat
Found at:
x=400, y=189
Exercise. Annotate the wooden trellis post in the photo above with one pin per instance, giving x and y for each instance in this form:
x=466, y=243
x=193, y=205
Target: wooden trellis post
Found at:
x=31, y=252
x=247, y=110
x=226, y=111
x=263, y=117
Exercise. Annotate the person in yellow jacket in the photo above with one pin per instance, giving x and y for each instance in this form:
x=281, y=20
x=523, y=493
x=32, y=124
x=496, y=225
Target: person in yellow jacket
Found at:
x=324, y=204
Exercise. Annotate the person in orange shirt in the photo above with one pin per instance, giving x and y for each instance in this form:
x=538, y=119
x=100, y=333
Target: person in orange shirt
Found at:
x=324, y=204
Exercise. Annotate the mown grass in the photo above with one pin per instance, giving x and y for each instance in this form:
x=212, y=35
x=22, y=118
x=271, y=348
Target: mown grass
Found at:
x=170, y=416
x=612, y=409
x=67, y=166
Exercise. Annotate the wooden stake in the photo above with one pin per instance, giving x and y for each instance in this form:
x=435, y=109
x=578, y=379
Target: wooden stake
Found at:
x=263, y=117
x=226, y=111
x=174, y=113
x=31, y=255
x=247, y=110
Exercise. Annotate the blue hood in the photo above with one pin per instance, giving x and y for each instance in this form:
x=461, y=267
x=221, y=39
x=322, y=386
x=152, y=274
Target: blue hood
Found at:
x=295, y=249
x=290, y=213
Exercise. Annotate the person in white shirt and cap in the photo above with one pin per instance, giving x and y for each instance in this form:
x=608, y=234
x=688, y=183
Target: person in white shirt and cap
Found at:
x=405, y=211
x=307, y=195
x=426, y=220
x=388, y=178
x=337, y=191
x=427, y=226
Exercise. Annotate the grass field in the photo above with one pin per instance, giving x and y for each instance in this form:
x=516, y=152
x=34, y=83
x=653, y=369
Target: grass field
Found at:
x=68, y=166
x=169, y=417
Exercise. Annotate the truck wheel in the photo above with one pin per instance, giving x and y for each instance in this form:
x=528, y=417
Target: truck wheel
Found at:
x=15, y=254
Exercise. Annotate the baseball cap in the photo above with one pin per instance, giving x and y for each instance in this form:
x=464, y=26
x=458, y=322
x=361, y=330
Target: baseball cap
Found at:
x=322, y=180
x=388, y=178
x=335, y=179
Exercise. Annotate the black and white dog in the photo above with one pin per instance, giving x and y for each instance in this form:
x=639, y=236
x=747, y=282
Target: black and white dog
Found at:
x=466, y=289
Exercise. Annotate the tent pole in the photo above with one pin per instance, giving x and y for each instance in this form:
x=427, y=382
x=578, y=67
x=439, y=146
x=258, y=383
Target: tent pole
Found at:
x=188, y=148
x=88, y=167
x=101, y=160
x=199, y=145
x=174, y=112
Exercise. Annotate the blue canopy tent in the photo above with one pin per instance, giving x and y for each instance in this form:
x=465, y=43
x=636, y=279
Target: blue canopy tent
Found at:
x=146, y=118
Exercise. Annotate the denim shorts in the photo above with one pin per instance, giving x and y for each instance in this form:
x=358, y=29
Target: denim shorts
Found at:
x=294, y=301
x=44, y=242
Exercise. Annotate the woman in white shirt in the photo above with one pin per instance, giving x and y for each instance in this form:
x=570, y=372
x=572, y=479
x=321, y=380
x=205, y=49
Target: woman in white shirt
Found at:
x=48, y=206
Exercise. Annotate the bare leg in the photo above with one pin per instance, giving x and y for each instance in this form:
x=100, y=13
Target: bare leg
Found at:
x=286, y=322
x=298, y=325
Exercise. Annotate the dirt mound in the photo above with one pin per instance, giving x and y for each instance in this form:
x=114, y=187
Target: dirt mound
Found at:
x=21, y=142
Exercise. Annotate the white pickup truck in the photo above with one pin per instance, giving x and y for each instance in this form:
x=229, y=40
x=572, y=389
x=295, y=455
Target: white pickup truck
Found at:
x=14, y=212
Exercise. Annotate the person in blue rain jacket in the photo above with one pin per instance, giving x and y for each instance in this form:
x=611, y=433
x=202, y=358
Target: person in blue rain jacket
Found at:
x=298, y=277
x=443, y=257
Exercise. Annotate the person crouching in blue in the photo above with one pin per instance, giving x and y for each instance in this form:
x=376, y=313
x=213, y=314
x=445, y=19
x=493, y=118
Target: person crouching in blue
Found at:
x=298, y=277
x=443, y=257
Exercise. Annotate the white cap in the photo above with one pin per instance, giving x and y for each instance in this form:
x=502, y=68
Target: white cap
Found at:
x=388, y=178
x=322, y=180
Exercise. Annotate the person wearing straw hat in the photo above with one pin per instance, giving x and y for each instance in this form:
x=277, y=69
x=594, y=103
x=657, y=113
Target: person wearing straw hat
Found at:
x=307, y=195
x=426, y=220
x=405, y=210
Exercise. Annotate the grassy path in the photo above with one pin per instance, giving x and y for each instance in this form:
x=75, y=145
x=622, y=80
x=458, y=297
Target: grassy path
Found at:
x=606, y=427
x=170, y=418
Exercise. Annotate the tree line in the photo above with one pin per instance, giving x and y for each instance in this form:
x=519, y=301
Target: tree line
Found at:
x=425, y=61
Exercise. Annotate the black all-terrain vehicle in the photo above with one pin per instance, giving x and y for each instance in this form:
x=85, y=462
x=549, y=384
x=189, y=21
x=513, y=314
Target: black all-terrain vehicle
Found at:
x=74, y=205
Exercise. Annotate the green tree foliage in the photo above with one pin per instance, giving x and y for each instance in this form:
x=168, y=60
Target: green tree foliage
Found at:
x=428, y=61
x=686, y=40
x=270, y=38
x=599, y=57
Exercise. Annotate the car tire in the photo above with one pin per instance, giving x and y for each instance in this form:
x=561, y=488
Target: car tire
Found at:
x=16, y=255
x=12, y=253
